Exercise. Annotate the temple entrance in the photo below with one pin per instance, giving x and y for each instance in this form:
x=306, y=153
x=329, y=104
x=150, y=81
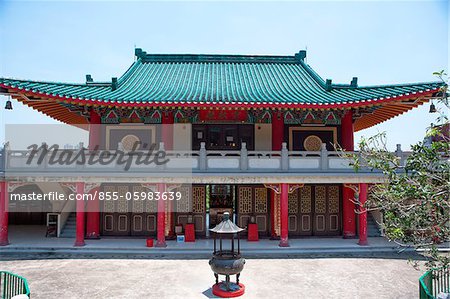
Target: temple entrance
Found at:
x=221, y=199
x=314, y=210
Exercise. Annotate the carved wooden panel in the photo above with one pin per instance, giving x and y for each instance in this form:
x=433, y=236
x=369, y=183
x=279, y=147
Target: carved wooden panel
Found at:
x=122, y=202
x=333, y=199
x=198, y=199
x=245, y=200
x=261, y=200
x=108, y=205
x=184, y=205
x=293, y=202
x=306, y=198
x=312, y=143
x=138, y=205
x=320, y=200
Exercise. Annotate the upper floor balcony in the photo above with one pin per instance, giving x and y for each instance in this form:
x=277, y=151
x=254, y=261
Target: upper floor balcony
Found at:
x=161, y=163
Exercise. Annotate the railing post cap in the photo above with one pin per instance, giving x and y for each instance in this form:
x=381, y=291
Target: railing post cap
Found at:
x=202, y=145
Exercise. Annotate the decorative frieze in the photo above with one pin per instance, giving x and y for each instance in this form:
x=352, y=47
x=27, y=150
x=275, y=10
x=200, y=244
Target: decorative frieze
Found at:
x=325, y=117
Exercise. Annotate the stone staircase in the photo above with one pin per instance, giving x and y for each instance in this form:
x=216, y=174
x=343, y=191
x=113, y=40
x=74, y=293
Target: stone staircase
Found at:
x=372, y=227
x=69, y=229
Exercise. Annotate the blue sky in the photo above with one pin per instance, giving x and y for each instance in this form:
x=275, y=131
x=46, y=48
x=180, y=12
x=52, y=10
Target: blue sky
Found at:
x=379, y=42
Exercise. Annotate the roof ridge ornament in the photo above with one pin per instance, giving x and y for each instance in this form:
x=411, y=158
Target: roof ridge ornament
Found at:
x=301, y=55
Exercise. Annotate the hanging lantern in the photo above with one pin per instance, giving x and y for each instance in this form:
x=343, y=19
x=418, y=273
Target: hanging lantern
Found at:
x=8, y=105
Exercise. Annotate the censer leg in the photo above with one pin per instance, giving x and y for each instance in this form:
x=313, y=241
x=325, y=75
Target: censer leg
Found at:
x=237, y=278
x=227, y=282
x=217, y=277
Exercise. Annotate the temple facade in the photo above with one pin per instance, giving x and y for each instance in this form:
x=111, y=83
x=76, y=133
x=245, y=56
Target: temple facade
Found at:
x=262, y=133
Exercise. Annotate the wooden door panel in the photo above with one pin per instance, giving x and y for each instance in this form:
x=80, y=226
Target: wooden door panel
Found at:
x=124, y=217
x=193, y=204
x=253, y=201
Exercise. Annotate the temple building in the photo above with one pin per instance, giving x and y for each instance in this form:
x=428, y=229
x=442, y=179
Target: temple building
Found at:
x=263, y=132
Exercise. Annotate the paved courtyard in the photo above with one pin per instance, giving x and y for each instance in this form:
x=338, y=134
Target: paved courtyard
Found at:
x=264, y=278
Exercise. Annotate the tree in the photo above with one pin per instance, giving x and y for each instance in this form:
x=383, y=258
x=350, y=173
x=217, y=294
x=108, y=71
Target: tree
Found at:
x=415, y=197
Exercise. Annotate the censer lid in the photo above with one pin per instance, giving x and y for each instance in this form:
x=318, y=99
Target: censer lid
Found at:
x=226, y=226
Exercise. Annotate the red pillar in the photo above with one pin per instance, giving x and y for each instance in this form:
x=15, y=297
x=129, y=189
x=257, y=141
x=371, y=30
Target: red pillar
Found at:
x=362, y=215
x=284, y=215
x=167, y=137
x=347, y=141
x=4, y=214
x=277, y=130
x=79, y=236
x=93, y=216
x=161, y=240
x=93, y=207
x=94, y=129
x=167, y=130
x=348, y=213
x=348, y=206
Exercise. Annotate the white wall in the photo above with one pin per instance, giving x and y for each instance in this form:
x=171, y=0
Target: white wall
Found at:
x=263, y=137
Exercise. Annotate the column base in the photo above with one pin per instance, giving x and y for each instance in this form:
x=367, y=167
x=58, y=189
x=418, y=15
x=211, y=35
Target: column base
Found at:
x=4, y=243
x=161, y=244
x=283, y=243
x=79, y=243
x=363, y=243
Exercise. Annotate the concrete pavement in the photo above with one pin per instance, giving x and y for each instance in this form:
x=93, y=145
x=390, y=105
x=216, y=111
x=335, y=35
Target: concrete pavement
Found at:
x=269, y=278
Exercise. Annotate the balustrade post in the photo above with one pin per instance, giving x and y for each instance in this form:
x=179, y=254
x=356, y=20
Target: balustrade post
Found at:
x=399, y=154
x=6, y=155
x=202, y=158
x=162, y=149
x=284, y=157
x=323, y=157
x=244, y=157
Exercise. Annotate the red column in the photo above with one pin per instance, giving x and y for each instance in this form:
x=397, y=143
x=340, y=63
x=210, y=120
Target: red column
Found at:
x=277, y=130
x=348, y=206
x=167, y=130
x=167, y=137
x=284, y=215
x=93, y=207
x=79, y=237
x=347, y=141
x=161, y=240
x=94, y=129
x=348, y=213
x=93, y=216
x=4, y=214
x=362, y=215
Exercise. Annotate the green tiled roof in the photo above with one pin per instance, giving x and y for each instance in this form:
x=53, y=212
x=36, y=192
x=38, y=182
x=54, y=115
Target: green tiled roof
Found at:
x=160, y=79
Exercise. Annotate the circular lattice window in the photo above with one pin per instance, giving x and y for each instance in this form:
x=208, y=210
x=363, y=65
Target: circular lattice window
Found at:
x=128, y=142
x=312, y=143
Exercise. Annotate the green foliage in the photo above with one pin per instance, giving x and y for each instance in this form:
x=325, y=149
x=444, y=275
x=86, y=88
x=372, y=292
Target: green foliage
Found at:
x=415, y=196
